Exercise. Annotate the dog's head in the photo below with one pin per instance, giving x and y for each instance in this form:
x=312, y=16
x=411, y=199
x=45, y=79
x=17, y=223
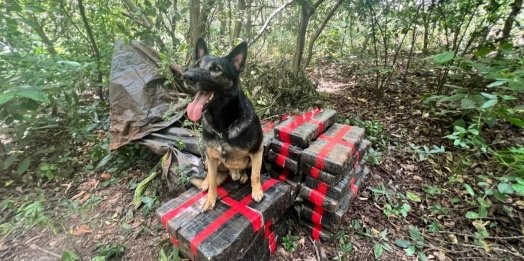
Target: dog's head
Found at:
x=215, y=78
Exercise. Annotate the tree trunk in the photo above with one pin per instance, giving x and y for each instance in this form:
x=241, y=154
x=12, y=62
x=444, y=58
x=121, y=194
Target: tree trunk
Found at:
x=306, y=12
x=239, y=18
x=508, y=24
x=198, y=13
x=94, y=46
x=319, y=31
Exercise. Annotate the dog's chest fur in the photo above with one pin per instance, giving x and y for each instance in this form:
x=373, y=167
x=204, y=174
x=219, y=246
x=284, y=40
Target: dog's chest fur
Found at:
x=232, y=158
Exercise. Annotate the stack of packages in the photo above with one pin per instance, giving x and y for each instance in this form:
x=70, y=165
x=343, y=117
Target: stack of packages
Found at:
x=335, y=170
x=291, y=137
x=237, y=229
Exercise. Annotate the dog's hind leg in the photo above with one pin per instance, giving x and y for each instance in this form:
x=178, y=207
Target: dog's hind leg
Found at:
x=256, y=166
x=243, y=176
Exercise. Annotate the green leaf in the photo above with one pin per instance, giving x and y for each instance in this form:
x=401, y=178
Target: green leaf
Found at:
x=504, y=188
x=483, y=51
x=402, y=243
x=10, y=160
x=377, y=250
x=519, y=180
x=472, y=215
x=497, y=83
x=23, y=166
x=467, y=103
x=33, y=93
x=516, y=108
x=141, y=188
x=104, y=160
x=489, y=103
x=444, y=57
x=69, y=256
x=483, y=212
x=422, y=256
x=413, y=197
x=415, y=233
x=410, y=250
x=519, y=188
x=452, y=98
x=499, y=196
x=69, y=63
x=5, y=97
x=469, y=189
x=489, y=96
x=506, y=46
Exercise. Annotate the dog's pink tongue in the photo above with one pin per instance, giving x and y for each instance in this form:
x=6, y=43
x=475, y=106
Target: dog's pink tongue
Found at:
x=194, y=108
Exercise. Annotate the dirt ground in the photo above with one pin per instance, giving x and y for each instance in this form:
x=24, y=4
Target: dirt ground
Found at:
x=104, y=215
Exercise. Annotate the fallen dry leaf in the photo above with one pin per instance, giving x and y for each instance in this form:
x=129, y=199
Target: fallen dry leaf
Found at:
x=85, y=198
x=83, y=229
x=79, y=194
x=105, y=175
x=90, y=184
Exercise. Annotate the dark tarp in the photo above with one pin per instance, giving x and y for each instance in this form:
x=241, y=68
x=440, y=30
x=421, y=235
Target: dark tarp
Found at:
x=144, y=110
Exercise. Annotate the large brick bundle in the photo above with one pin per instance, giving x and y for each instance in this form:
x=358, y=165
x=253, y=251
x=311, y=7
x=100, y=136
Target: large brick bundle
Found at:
x=321, y=224
x=291, y=136
x=237, y=229
x=334, y=169
x=301, y=130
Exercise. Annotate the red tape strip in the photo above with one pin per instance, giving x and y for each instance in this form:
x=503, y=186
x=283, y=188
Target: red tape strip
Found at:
x=174, y=241
x=268, y=127
x=284, y=175
x=285, y=149
x=292, y=125
x=222, y=193
x=315, y=233
x=318, y=212
x=281, y=159
x=322, y=187
x=314, y=172
x=269, y=235
x=331, y=143
x=353, y=188
x=272, y=243
x=316, y=197
x=221, y=220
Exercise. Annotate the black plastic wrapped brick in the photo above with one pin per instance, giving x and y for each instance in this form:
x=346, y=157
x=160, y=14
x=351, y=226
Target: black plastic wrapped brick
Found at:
x=229, y=231
x=301, y=130
x=283, y=161
x=333, y=150
x=331, y=221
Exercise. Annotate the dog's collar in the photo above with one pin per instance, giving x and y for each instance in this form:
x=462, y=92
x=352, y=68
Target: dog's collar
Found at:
x=220, y=135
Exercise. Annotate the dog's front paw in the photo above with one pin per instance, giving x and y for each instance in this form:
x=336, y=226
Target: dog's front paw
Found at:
x=243, y=177
x=235, y=174
x=257, y=194
x=205, y=185
x=210, y=203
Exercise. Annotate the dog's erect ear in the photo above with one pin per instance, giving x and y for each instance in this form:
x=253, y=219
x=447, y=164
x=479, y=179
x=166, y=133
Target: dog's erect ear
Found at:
x=200, y=49
x=238, y=56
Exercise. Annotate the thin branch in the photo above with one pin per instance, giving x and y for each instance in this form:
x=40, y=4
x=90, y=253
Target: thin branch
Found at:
x=261, y=31
x=94, y=46
x=319, y=31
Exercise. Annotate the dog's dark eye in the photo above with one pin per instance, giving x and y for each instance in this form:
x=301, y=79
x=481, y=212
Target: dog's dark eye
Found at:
x=215, y=69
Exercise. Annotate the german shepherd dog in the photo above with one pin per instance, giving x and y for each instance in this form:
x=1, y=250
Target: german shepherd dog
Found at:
x=232, y=134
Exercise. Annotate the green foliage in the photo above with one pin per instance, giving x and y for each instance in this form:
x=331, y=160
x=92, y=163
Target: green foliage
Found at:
x=289, y=242
x=395, y=204
x=415, y=245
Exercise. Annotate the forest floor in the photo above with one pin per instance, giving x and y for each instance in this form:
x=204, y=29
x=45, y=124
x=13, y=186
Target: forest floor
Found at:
x=92, y=214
